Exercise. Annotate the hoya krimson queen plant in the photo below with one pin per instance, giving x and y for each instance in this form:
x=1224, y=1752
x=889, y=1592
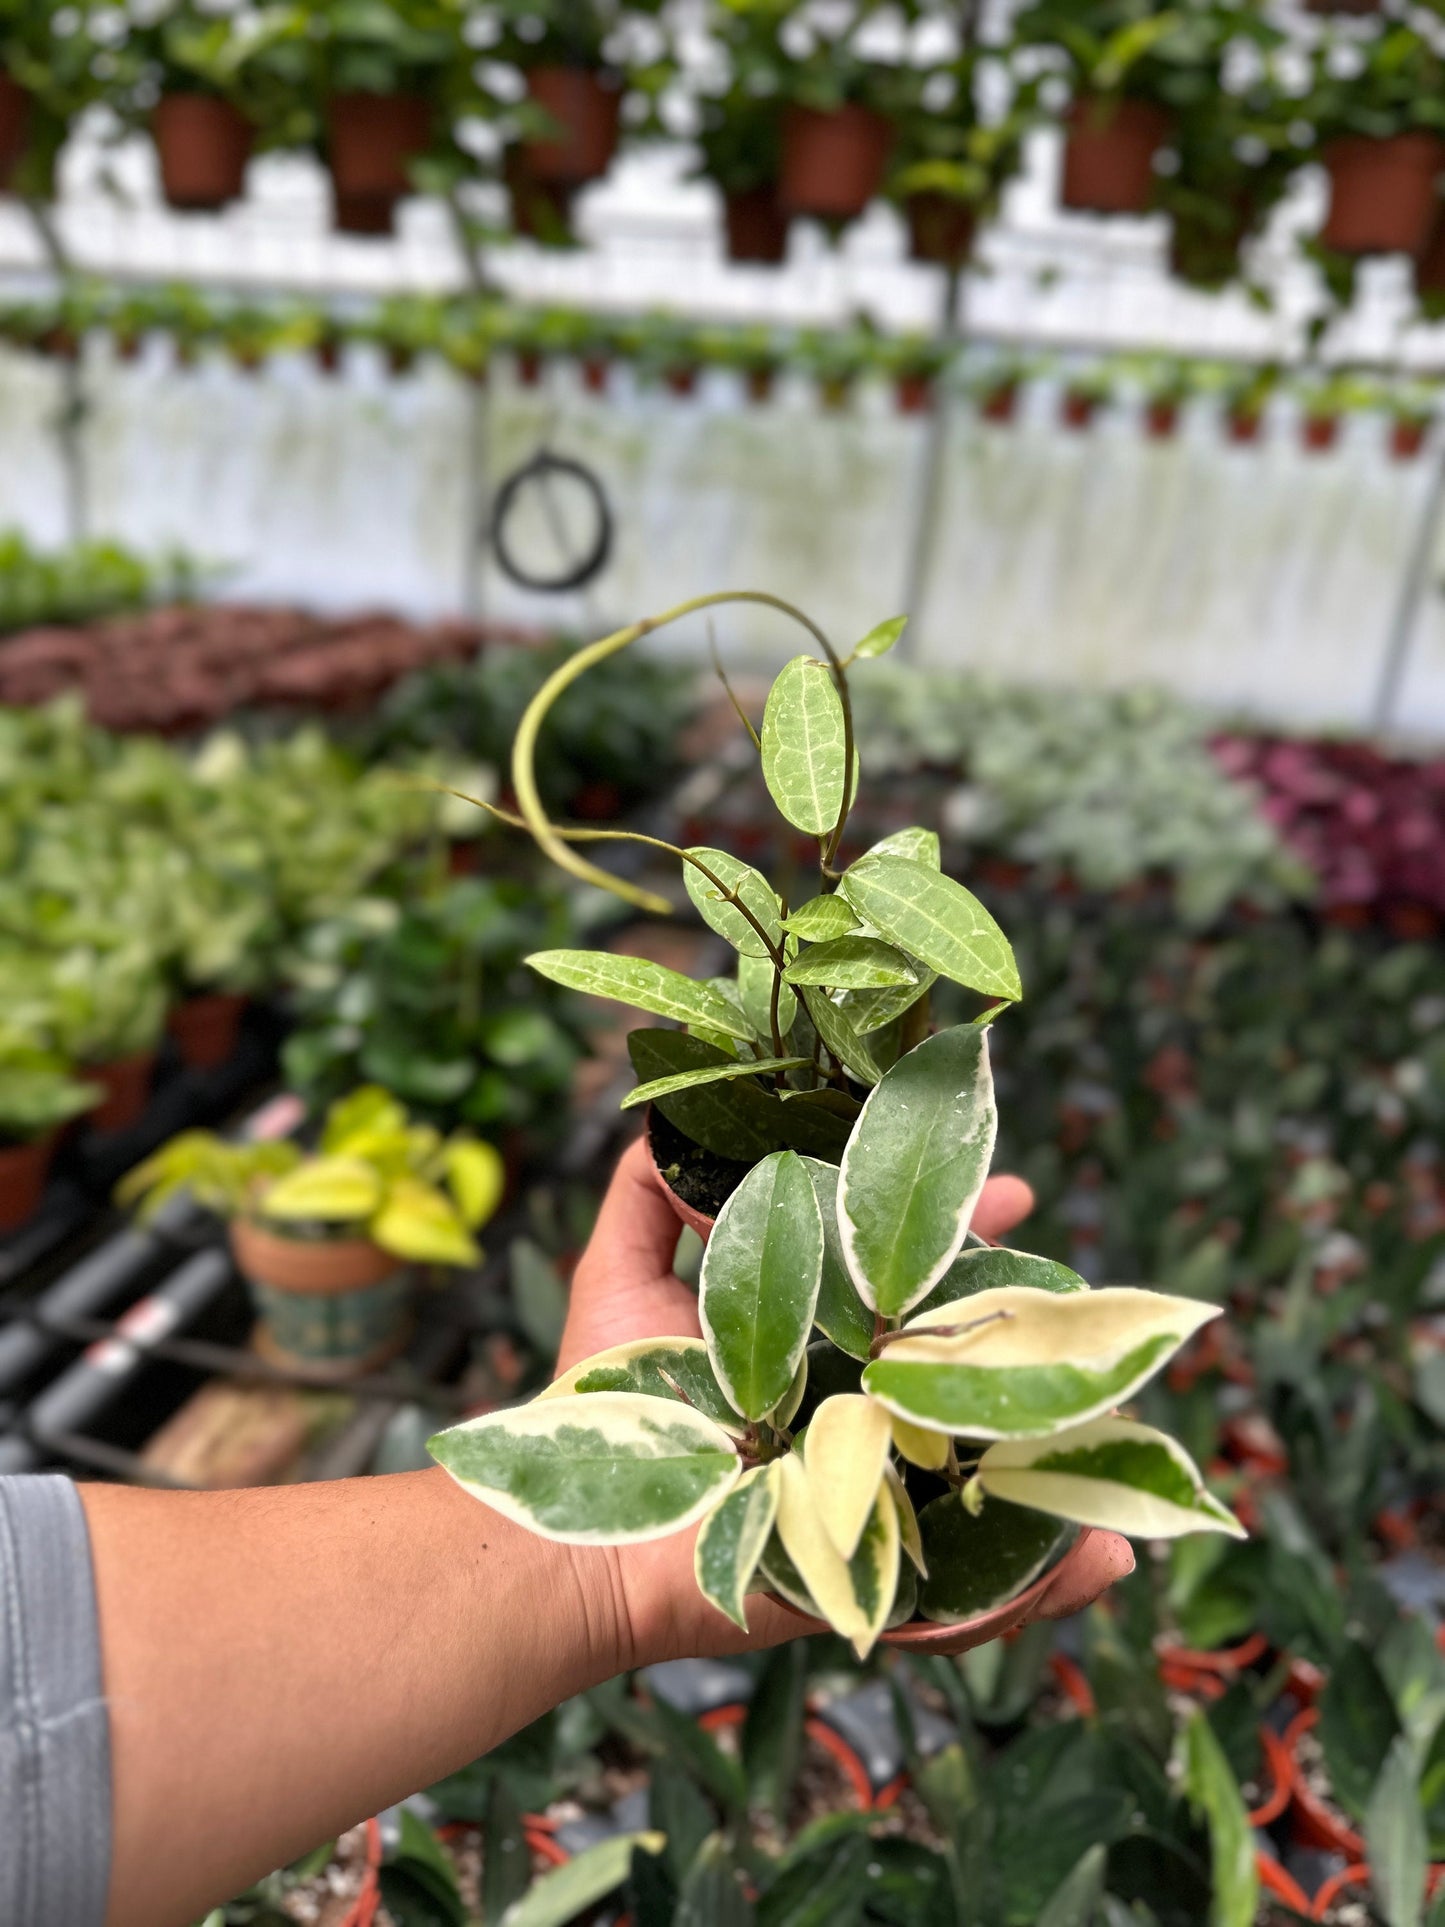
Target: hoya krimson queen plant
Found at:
x=885, y=1417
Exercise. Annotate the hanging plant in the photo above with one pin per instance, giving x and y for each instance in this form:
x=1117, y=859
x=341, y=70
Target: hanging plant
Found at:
x=741, y=142
x=1378, y=116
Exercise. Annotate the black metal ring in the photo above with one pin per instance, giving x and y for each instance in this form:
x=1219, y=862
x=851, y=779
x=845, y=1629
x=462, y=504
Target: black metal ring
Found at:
x=542, y=465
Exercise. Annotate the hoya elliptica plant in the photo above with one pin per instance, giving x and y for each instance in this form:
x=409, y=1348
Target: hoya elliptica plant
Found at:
x=885, y=1418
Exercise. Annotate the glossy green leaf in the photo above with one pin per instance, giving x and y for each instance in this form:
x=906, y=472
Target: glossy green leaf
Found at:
x=1213, y=1789
x=559, y=1897
x=746, y=883
x=873, y=1010
x=675, y=1368
x=803, y=741
x=851, y=1050
x=933, y=918
x=1076, y=1902
x=731, y=1119
x=643, y=984
x=732, y=1539
x=1357, y=1727
x=880, y=639
x=756, y=978
x=977, y=1563
x=840, y=1313
x=708, y=1074
x=713, y=1894
x=914, y=1168
x=604, y=1468
x=852, y=963
x=1395, y=1839
x=990, y=1267
x=1112, y=1473
x=821, y=919
x=921, y=845
x=760, y=1276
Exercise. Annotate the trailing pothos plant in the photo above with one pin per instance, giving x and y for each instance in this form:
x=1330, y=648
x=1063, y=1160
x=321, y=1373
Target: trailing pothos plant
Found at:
x=884, y=1416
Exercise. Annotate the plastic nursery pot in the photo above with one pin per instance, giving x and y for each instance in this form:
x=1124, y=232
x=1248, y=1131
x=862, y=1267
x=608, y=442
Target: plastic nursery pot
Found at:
x=1109, y=154
x=1161, y=419
x=206, y=1028
x=1184, y=1667
x=1320, y=433
x=689, y=1214
x=127, y=1087
x=759, y=383
x=913, y=394
x=1407, y=438
x=1315, y=1823
x=372, y=140
x=370, y=214
x=1243, y=425
x=203, y=144
x=1348, y=1880
x=1077, y=411
x=756, y=223
x=1280, y=1885
x=333, y=1306
x=14, y=126
x=941, y=228
x=833, y=162
x=1382, y=193
x=681, y=381
x=23, y=1171
x=595, y=370
x=1000, y=404
x=586, y=106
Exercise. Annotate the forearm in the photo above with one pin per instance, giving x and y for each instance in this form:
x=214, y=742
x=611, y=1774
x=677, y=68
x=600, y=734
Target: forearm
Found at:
x=279, y=1664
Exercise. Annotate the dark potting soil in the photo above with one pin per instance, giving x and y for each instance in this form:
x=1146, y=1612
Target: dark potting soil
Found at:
x=699, y=1177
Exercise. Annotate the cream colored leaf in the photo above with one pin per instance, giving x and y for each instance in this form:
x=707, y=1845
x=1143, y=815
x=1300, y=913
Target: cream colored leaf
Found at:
x=848, y=1440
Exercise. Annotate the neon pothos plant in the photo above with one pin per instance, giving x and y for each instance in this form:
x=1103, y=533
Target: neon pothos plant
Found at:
x=885, y=1416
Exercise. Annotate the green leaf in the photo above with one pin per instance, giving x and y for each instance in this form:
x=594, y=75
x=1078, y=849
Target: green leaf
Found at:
x=840, y=1313
x=977, y=1563
x=803, y=735
x=880, y=639
x=870, y=1010
x=1358, y=1725
x=756, y=978
x=720, y=915
x=506, y=1857
x=852, y=963
x=990, y=1267
x=732, y=1539
x=559, y=1897
x=934, y=919
x=708, y=1074
x=712, y=1894
x=1112, y=1473
x=604, y=1468
x=1030, y=1362
x=730, y=1119
x=821, y=919
x=1212, y=1788
x=773, y=1730
x=915, y=842
x=760, y=1276
x=914, y=1168
x=842, y=1040
x=643, y=984
x=1076, y=1902
x=675, y=1368
x=1398, y=1850
x=538, y=1294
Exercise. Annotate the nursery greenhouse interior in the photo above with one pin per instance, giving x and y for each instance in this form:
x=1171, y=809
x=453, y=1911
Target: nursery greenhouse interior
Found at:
x=722, y=963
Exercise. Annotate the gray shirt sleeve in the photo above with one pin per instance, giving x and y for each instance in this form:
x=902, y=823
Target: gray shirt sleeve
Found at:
x=54, y=1734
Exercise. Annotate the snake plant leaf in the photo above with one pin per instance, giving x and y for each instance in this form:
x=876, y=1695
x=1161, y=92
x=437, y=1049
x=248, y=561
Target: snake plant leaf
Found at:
x=568, y=1891
x=933, y=918
x=854, y=1595
x=914, y=1168
x=909, y=1536
x=760, y=1276
x=987, y=1267
x=1213, y=1790
x=1029, y=1363
x=756, y=978
x=675, y=1368
x=921, y=845
x=880, y=639
x=927, y=1450
x=840, y=1313
x=1395, y=1837
x=420, y=1225
x=732, y=1539
x=601, y=1468
x=643, y=984
x=978, y=1562
x=708, y=1074
x=335, y=1190
x=852, y=963
x=821, y=919
x=848, y=1442
x=803, y=746
x=731, y=1119
x=1110, y=1472
x=851, y=1050
x=724, y=917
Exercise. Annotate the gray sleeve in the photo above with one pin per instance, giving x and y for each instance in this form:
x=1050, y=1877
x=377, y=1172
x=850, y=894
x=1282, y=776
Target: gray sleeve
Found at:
x=54, y=1734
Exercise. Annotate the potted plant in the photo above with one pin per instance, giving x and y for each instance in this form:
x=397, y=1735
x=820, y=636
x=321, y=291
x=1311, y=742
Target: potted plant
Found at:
x=1085, y=392
x=39, y=1092
x=1246, y=395
x=741, y=140
x=950, y=165
x=571, y=117
x=1324, y=401
x=1379, y=120
x=326, y=1239
x=836, y=132
x=913, y=363
x=883, y=1415
x=1167, y=385
x=210, y=72
x=1411, y=408
x=110, y=1013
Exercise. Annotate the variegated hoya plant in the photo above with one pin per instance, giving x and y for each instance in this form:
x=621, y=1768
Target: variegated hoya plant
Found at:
x=886, y=1418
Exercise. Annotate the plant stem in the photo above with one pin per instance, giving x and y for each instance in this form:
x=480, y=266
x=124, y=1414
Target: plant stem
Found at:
x=883, y=1339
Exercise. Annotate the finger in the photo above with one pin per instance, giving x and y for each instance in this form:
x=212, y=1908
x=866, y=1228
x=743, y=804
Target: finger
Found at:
x=1105, y=1558
x=1003, y=1203
x=636, y=1231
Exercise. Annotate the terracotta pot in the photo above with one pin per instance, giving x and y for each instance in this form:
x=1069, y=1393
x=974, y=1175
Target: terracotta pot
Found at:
x=1355, y=1879
x=23, y=1171
x=759, y=383
x=1429, y=272
x=1161, y=419
x=1077, y=411
x=206, y=1028
x=372, y=140
x=681, y=381
x=1320, y=432
x=1109, y=154
x=203, y=144
x=756, y=225
x=1315, y=1824
x=1407, y=439
x=14, y=126
x=1000, y=404
x=941, y=228
x=587, y=107
x=127, y=1087
x=1382, y=193
x=699, y=1221
x=370, y=214
x=595, y=370
x=1243, y=426
x=913, y=394
x=338, y=1306
x=833, y=162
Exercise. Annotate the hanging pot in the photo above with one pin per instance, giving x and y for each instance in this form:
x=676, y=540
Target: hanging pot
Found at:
x=1316, y=1824
x=14, y=126
x=756, y=225
x=337, y=1306
x=759, y=383
x=1161, y=419
x=1382, y=193
x=1109, y=153
x=833, y=161
x=372, y=139
x=587, y=107
x=595, y=370
x=541, y=210
x=1244, y=424
x=127, y=1086
x=203, y=144
x=1000, y=404
x=1407, y=438
x=913, y=394
x=1320, y=432
x=941, y=228
x=371, y=214
x=1077, y=411
x=207, y=1028
x=23, y=1171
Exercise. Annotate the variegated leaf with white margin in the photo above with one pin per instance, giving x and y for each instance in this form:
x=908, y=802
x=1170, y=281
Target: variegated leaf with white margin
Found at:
x=1112, y=1473
x=990, y=1267
x=909, y=1536
x=848, y=1441
x=756, y=978
x=675, y=1368
x=1022, y=1363
x=931, y=917
x=643, y=984
x=760, y=1276
x=718, y=914
x=839, y=1035
x=914, y=1168
x=821, y=919
x=732, y=1539
x=840, y=1313
x=854, y=1595
x=595, y=1469
x=708, y=1074
x=797, y=1391
x=853, y=963
x=803, y=746
x=927, y=1450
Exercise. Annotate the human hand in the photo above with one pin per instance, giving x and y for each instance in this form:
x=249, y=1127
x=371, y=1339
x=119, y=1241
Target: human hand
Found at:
x=624, y=1288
